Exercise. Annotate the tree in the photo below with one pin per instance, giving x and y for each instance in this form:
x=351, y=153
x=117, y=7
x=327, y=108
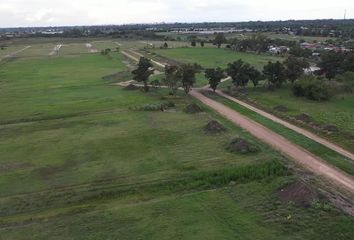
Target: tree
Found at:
x=143, y=72
x=219, y=39
x=331, y=63
x=173, y=78
x=193, y=43
x=165, y=45
x=214, y=75
x=295, y=67
x=202, y=43
x=241, y=73
x=188, y=72
x=275, y=73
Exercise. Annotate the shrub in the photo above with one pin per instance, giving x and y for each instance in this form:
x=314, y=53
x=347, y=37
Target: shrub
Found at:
x=312, y=88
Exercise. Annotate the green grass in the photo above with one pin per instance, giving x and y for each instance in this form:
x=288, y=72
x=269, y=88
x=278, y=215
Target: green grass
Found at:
x=214, y=57
x=337, y=111
x=78, y=162
x=328, y=155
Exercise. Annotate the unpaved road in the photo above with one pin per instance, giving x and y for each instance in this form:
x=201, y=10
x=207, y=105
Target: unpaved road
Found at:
x=14, y=53
x=55, y=50
x=302, y=131
x=297, y=153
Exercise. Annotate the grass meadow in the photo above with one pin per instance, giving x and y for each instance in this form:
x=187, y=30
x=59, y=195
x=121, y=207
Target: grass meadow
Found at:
x=78, y=161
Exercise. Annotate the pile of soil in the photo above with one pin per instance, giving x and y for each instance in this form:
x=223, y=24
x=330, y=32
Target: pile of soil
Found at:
x=298, y=193
x=131, y=87
x=241, y=145
x=214, y=127
x=303, y=117
x=330, y=128
x=281, y=108
x=193, y=108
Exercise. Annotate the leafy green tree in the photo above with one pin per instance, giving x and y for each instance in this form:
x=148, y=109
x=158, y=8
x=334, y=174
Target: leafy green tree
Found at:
x=331, y=63
x=219, y=39
x=193, y=43
x=275, y=73
x=202, y=43
x=295, y=67
x=165, y=45
x=143, y=72
x=214, y=75
x=241, y=73
x=188, y=72
x=173, y=78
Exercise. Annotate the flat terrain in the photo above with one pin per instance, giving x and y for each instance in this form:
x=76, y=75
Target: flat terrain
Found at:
x=214, y=57
x=81, y=159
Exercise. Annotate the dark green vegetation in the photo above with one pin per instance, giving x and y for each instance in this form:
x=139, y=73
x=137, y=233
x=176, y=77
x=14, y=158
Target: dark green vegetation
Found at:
x=82, y=159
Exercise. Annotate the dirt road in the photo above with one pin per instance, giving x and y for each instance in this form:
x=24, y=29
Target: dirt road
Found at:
x=295, y=152
x=302, y=131
x=300, y=155
x=14, y=53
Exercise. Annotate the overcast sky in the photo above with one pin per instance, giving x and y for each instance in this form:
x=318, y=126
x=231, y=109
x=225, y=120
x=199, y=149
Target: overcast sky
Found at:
x=15, y=13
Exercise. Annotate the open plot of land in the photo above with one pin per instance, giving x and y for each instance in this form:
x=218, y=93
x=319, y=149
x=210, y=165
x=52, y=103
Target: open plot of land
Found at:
x=338, y=111
x=81, y=159
x=214, y=57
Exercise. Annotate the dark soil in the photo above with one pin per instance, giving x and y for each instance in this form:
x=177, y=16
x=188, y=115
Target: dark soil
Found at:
x=193, y=108
x=281, y=108
x=240, y=145
x=214, y=127
x=330, y=128
x=303, y=117
x=131, y=87
x=298, y=193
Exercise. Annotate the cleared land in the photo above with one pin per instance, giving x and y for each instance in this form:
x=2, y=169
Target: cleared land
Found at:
x=79, y=160
x=214, y=57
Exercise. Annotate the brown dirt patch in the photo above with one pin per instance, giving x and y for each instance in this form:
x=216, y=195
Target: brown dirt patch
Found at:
x=214, y=127
x=298, y=193
x=240, y=145
x=303, y=117
x=131, y=87
x=193, y=108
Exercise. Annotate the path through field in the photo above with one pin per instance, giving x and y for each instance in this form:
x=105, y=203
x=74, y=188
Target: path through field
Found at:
x=90, y=48
x=14, y=53
x=300, y=155
x=56, y=50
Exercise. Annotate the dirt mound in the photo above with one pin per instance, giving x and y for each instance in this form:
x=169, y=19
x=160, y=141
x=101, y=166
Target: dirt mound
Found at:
x=303, y=117
x=240, y=145
x=193, y=108
x=131, y=87
x=281, y=108
x=330, y=128
x=299, y=193
x=214, y=127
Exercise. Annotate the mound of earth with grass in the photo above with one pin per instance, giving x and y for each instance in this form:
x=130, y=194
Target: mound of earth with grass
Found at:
x=131, y=87
x=298, y=193
x=214, y=127
x=193, y=108
x=330, y=128
x=240, y=145
x=281, y=108
x=303, y=117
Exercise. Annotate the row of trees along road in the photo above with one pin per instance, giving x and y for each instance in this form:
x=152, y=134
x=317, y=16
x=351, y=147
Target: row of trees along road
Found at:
x=241, y=73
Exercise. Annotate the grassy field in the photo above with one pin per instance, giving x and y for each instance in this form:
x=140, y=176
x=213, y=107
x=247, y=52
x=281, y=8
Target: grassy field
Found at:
x=79, y=161
x=326, y=154
x=214, y=57
x=338, y=111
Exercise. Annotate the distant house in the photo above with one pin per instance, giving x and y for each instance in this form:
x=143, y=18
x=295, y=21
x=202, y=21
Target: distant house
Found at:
x=311, y=70
x=278, y=50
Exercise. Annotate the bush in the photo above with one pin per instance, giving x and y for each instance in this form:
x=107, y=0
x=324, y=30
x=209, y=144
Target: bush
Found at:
x=312, y=88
